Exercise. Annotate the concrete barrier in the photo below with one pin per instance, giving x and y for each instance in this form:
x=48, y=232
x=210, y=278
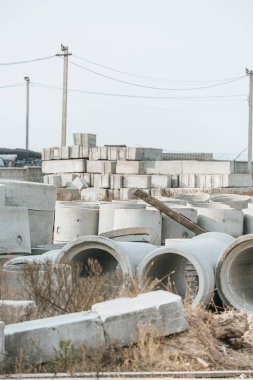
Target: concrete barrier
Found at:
x=173, y=266
x=126, y=319
x=234, y=274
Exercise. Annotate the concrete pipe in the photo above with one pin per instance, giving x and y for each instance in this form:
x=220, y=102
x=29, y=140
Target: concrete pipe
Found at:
x=73, y=220
x=130, y=218
x=186, y=267
x=221, y=219
x=107, y=210
x=234, y=274
x=195, y=197
x=233, y=200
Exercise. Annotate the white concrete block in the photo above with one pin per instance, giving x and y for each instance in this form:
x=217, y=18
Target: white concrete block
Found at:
x=116, y=181
x=16, y=311
x=141, y=181
x=65, y=152
x=160, y=181
x=134, y=154
x=117, y=153
x=157, y=192
x=56, y=153
x=126, y=194
x=85, y=139
x=101, y=167
x=14, y=230
x=102, y=180
x=174, y=180
x=87, y=178
x=64, y=166
x=143, y=154
x=98, y=153
x=130, y=167
x=236, y=180
x=84, y=152
x=46, y=154
x=34, y=196
x=187, y=180
x=54, y=179
x=216, y=181
x=125, y=319
x=79, y=183
x=75, y=151
x=67, y=178
x=92, y=194
x=39, y=339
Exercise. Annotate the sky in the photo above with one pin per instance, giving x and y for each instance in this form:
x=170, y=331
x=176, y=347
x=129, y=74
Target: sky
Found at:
x=180, y=46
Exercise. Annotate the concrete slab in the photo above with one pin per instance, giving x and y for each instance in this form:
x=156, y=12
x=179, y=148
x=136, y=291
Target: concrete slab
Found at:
x=160, y=181
x=17, y=311
x=101, y=167
x=39, y=339
x=64, y=166
x=34, y=196
x=126, y=319
x=85, y=139
x=130, y=167
x=141, y=181
x=15, y=232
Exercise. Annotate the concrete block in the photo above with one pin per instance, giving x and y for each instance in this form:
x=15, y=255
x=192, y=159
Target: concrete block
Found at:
x=56, y=153
x=134, y=154
x=46, y=154
x=64, y=166
x=130, y=167
x=64, y=194
x=143, y=154
x=117, y=153
x=41, y=227
x=87, y=178
x=125, y=319
x=84, y=152
x=65, y=152
x=2, y=350
x=98, y=153
x=34, y=196
x=15, y=232
x=102, y=181
x=247, y=221
x=79, y=183
x=92, y=194
x=157, y=192
x=187, y=180
x=126, y=194
x=174, y=180
x=187, y=156
x=68, y=178
x=216, y=181
x=141, y=181
x=75, y=151
x=160, y=181
x=2, y=195
x=17, y=311
x=236, y=180
x=85, y=139
x=53, y=179
x=116, y=194
x=101, y=167
x=116, y=181
x=38, y=340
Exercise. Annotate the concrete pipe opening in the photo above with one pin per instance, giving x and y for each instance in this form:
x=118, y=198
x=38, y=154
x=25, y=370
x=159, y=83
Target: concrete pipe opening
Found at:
x=185, y=267
x=234, y=274
x=111, y=256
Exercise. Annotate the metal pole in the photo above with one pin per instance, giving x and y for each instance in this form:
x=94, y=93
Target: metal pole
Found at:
x=64, y=95
x=27, y=79
x=250, y=73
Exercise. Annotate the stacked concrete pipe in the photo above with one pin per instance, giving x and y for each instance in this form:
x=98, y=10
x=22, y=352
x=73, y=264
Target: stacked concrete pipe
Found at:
x=172, y=261
x=234, y=273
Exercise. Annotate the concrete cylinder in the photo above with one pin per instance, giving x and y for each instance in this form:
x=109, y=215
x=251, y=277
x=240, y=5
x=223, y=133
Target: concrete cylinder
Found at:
x=227, y=220
x=107, y=210
x=74, y=220
x=186, y=267
x=150, y=218
x=235, y=201
x=234, y=273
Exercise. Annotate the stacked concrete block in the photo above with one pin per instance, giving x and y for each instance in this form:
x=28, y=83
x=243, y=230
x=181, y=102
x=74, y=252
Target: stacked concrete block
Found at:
x=130, y=167
x=117, y=153
x=98, y=153
x=187, y=180
x=101, y=167
x=141, y=181
x=187, y=156
x=85, y=139
x=160, y=181
x=64, y=166
x=102, y=181
x=79, y=183
x=143, y=154
x=92, y=194
x=53, y=179
x=116, y=181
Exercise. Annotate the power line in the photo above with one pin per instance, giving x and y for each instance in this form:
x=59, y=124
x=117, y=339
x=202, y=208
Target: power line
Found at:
x=214, y=97
x=12, y=85
x=26, y=61
x=149, y=77
x=156, y=88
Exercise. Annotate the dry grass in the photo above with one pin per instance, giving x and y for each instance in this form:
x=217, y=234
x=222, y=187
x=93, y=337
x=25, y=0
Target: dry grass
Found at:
x=213, y=340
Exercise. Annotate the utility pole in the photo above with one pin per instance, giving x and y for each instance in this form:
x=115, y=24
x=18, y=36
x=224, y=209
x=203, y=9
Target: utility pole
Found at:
x=65, y=54
x=250, y=74
x=27, y=79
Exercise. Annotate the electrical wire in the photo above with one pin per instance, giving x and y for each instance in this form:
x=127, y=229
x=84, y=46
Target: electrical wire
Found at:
x=156, y=88
x=26, y=61
x=214, y=97
x=148, y=77
x=12, y=85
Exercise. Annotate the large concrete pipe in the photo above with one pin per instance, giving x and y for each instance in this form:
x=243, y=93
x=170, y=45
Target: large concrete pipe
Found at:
x=75, y=219
x=234, y=273
x=188, y=267
x=107, y=210
x=236, y=201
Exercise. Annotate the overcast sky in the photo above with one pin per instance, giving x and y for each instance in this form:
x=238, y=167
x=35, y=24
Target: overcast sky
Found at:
x=195, y=41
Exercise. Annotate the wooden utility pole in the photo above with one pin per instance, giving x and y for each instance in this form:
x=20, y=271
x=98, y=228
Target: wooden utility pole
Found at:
x=250, y=74
x=27, y=79
x=181, y=219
